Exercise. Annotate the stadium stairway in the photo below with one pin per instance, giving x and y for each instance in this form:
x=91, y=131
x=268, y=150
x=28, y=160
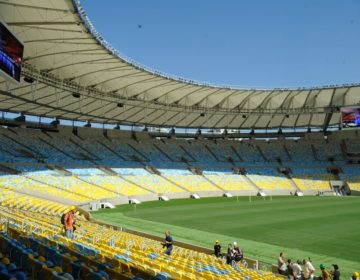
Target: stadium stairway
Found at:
x=213, y=183
x=187, y=153
x=35, y=188
x=47, y=142
x=174, y=183
x=73, y=197
x=107, y=170
x=101, y=187
x=59, y=169
x=293, y=183
x=8, y=170
x=212, y=153
x=136, y=184
x=142, y=156
x=252, y=183
x=28, y=150
x=313, y=149
x=163, y=152
x=236, y=153
x=107, y=147
x=234, y=183
x=92, y=157
x=261, y=153
x=287, y=152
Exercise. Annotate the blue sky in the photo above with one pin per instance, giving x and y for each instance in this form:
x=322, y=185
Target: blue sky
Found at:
x=244, y=43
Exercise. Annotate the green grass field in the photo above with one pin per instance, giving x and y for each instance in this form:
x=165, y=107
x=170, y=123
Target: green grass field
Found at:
x=327, y=229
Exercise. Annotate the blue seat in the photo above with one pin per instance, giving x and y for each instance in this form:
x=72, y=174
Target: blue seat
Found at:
x=19, y=275
x=96, y=276
x=38, y=267
x=53, y=255
x=56, y=276
x=75, y=269
x=5, y=275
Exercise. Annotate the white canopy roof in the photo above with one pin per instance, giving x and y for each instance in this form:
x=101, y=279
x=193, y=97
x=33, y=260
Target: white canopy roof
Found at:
x=65, y=55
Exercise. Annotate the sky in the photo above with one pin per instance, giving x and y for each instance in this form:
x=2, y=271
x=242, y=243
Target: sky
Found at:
x=240, y=43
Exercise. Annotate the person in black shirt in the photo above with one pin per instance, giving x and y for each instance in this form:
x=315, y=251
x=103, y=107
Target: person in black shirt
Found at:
x=217, y=249
x=336, y=273
x=229, y=255
x=168, y=243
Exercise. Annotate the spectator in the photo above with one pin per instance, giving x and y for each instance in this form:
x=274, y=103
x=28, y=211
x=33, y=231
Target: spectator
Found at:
x=290, y=270
x=217, y=249
x=297, y=270
x=355, y=276
x=324, y=274
x=309, y=270
x=69, y=221
x=168, y=243
x=229, y=254
x=336, y=273
x=237, y=253
x=282, y=264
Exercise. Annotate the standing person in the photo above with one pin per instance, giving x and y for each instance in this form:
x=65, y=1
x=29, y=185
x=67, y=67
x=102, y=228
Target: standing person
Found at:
x=297, y=270
x=290, y=269
x=217, y=249
x=237, y=253
x=282, y=264
x=309, y=269
x=69, y=222
x=324, y=274
x=355, y=276
x=229, y=254
x=336, y=273
x=168, y=243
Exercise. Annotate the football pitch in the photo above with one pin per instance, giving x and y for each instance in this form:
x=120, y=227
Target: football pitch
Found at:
x=326, y=229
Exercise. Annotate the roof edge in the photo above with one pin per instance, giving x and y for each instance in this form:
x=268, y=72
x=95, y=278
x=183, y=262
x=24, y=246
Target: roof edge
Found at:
x=115, y=52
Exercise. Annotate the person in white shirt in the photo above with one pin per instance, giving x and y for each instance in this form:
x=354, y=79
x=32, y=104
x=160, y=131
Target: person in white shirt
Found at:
x=297, y=269
x=282, y=264
x=309, y=270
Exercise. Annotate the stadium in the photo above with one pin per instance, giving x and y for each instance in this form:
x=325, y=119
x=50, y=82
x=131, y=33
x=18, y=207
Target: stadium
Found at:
x=137, y=153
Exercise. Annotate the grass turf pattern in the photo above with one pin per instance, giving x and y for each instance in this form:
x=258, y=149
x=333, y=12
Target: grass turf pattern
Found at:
x=327, y=229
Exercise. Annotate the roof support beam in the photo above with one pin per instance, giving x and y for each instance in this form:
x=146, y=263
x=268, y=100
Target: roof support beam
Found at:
x=328, y=117
x=40, y=23
x=72, y=51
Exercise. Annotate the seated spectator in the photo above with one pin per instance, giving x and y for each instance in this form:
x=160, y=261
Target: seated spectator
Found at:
x=282, y=264
x=336, y=273
x=237, y=253
x=229, y=254
x=217, y=249
x=324, y=274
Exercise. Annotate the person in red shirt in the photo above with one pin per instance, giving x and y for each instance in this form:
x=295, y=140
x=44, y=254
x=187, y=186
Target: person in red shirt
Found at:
x=69, y=223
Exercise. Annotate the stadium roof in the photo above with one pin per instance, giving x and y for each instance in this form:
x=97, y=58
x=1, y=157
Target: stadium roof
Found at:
x=78, y=75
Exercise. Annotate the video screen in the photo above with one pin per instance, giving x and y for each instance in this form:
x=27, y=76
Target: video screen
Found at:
x=11, y=53
x=350, y=117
